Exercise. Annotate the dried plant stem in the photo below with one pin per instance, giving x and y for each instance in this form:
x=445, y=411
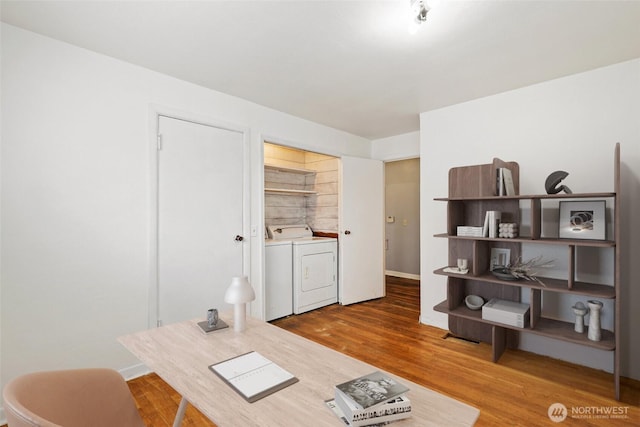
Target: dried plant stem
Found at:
x=526, y=270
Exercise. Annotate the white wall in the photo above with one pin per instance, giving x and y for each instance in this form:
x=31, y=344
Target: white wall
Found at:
x=398, y=147
x=76, y=196
x=569, y=124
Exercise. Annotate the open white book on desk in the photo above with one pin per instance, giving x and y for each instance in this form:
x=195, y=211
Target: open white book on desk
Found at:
x=253, y=376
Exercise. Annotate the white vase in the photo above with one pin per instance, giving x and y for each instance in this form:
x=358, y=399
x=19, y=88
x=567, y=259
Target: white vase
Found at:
x=595, y=308
x=579, y=310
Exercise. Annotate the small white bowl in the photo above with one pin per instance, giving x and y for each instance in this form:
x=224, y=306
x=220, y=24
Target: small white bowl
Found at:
x=474, y=302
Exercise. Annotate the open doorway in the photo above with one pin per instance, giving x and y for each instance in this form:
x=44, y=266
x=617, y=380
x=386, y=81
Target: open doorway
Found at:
x=402, y=221
x=329, y=197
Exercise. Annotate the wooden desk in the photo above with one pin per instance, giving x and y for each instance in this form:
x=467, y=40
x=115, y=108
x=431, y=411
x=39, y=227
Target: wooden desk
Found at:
x=180, y=354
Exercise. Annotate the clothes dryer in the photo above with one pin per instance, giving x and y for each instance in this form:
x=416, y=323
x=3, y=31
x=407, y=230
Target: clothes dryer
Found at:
x=315, y=265
x=315, y=273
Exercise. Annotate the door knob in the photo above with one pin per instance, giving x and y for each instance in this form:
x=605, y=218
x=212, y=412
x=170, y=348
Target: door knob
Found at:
x=347, y=232
x=239, y=238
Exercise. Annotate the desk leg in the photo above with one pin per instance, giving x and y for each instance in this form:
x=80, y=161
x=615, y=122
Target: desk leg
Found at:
x=180, y=414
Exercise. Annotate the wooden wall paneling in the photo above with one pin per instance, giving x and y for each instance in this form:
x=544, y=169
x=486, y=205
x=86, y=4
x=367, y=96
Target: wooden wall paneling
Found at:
x=455, y=216
x=471, y=181
x=455, y=292
x=571, y=274
x=617, y=278
x=536, y=218
x=482, y=257
x=480, y=180
x=509, y=293
x=535, y=307
x=468, y=329
x=499, y=338
x=475, y=330
x=460, y=248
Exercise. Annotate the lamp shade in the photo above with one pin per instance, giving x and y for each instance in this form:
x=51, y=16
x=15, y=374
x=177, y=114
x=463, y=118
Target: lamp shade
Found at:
x=240, y=291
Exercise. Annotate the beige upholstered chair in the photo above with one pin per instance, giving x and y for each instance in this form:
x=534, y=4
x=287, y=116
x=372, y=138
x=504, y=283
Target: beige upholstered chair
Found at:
x=73, y=398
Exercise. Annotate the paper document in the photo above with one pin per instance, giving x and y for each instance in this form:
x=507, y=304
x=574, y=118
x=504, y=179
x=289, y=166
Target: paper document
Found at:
x=253, y=375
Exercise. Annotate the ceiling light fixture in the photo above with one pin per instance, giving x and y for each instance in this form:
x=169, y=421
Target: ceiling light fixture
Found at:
x=417, y=14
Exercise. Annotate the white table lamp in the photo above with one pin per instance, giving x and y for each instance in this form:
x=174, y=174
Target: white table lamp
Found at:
x=239, y=294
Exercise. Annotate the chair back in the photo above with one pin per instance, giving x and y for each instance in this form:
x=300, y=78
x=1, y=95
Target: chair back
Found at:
x=70, y=398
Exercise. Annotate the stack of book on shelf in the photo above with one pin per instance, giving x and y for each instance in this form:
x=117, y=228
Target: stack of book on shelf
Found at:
x=491, y=223
x=504, y=182
x=469, y=231
x=373, y=399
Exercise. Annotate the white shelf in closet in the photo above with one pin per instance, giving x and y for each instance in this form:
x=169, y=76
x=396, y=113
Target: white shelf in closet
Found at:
x=289, y=191
x=300, y=171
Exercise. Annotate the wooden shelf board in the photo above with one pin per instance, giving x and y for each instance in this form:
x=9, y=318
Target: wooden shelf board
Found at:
x=289, y=191
x=546, y=327
x=289, y=169
x=529, y=196
x=561, y=242
x=551, y=285
x=564, y=331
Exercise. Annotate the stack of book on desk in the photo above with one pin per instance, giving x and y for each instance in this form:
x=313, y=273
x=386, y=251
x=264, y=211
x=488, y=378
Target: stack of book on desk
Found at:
x=372, y=399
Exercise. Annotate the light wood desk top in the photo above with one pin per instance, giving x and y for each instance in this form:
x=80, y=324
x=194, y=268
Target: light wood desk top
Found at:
x=181, y=354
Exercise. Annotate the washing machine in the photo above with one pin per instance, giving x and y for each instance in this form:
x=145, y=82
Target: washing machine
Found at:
x=278, y=279
x=315, y=266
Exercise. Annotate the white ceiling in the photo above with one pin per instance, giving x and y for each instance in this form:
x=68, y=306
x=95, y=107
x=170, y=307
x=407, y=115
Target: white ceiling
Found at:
x=351, y=65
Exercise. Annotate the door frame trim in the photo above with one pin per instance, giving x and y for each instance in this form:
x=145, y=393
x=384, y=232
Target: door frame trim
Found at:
x=155, y=112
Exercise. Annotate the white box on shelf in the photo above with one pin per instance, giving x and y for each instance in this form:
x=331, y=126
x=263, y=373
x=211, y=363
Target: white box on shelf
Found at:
x=511, y=313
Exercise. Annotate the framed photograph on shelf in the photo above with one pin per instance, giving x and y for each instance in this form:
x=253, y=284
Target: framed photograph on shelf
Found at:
x=583, y=220
x=500, y=258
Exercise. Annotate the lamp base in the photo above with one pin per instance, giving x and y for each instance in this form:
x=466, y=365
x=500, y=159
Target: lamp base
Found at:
x=239, y=317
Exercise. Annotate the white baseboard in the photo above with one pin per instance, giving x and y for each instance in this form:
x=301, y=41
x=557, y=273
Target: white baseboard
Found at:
x=402, y=275
x=134, y=371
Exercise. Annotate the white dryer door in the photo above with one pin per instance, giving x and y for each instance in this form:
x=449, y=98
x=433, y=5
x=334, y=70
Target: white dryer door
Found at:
x=314, y=276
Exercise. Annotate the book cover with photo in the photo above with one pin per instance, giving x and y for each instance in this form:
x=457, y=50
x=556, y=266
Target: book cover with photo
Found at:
x=371, y=389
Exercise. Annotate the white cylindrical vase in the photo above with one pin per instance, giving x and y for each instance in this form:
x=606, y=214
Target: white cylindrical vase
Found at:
x=579, y=310
x=595, y=331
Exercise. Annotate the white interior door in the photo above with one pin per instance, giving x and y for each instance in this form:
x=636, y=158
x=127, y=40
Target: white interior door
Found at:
x=200, y=213
x=361, y=230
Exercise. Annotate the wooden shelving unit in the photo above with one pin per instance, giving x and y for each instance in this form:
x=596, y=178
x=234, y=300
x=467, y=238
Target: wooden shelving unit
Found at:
x=289, y=191
x=471, y=194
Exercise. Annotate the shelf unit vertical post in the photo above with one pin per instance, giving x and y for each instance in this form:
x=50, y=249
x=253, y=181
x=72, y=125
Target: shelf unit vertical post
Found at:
x=617, y=280
x=536, y=218
x=572, y=266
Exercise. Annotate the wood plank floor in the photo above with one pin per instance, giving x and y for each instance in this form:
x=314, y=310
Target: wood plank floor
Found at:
x=516, y=391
